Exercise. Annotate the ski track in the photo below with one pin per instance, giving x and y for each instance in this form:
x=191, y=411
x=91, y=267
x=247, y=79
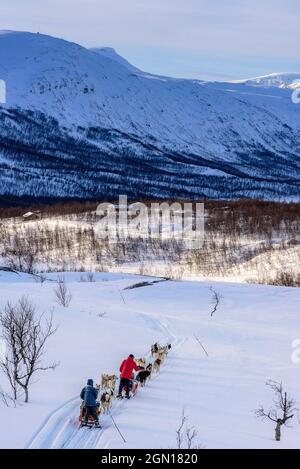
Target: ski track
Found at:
x=61, y=429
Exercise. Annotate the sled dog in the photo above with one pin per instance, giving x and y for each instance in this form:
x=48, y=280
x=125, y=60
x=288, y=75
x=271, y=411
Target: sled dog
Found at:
x=106, y=400
x=108, y=381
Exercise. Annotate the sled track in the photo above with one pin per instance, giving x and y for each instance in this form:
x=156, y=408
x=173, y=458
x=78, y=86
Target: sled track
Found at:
x=61, y=429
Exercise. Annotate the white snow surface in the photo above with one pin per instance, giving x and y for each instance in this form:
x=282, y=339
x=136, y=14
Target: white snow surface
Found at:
x=248, y=341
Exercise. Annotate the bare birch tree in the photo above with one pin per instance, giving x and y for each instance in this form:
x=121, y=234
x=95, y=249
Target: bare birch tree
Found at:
x=283, y=404
x=25, y=335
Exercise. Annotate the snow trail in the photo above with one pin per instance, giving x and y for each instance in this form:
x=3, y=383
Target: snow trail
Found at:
x=61, y=428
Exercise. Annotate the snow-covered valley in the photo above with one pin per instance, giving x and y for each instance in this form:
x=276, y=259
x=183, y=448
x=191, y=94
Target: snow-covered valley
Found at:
x=248, y=341
x=149, y=232
x=244, y=241
x=80, y=126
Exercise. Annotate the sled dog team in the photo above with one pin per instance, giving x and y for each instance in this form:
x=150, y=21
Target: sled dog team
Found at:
x=99, y=399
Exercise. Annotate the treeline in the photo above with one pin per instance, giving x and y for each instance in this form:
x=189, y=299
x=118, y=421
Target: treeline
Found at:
x=255, y=240
x=261, y=213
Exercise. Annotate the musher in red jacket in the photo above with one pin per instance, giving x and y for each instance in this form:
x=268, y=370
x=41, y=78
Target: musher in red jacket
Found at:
x=126, y=374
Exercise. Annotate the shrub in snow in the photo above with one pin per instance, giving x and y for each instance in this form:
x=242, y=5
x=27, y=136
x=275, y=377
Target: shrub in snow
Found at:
x=62, y=294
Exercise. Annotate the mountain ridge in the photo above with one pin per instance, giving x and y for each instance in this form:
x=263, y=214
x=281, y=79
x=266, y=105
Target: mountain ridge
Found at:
x=165, y=136
x=279, y=80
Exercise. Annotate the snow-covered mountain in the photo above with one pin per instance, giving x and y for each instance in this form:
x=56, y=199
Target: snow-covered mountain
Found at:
x=110, y=53
x=86, y=123
x=278, y=80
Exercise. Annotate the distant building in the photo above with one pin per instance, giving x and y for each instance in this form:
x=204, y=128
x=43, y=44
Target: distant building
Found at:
x=28, y=216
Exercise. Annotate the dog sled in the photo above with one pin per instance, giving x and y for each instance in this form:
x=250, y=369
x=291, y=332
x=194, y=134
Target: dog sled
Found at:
x=91, y=422
x=133, y=389
x=106, y=388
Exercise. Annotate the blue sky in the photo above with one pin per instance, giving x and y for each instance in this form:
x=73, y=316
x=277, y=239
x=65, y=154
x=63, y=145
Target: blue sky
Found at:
x=210, y=39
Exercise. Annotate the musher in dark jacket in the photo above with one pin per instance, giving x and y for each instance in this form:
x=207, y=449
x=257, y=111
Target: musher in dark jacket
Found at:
x=89, y=396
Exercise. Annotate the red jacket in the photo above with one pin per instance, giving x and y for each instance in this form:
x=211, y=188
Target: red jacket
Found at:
x=127, y=367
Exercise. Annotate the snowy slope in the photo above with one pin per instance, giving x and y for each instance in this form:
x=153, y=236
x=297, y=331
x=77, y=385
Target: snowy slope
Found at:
x=110, y=53
x=277, y=80
x=97, y=110
x=248, y=340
